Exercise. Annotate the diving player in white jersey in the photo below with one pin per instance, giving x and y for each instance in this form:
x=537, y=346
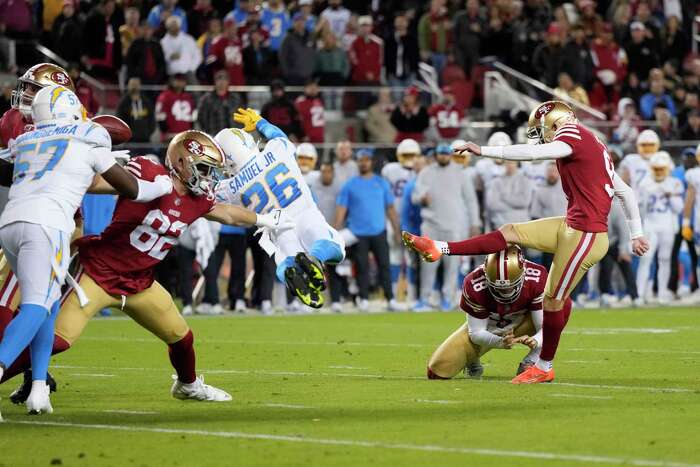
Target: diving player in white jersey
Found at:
x=635, y=167
x=306, y=159
x=661, y=200
x=54, y=165
x=271, y=179
x=398, y=174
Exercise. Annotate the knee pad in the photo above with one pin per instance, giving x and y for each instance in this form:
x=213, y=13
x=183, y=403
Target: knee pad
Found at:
x=288, y=262
x=327, y=251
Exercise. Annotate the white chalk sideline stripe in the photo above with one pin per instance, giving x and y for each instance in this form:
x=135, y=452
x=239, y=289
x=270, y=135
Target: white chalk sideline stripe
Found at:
x=131, y=412
x=431, y=401
x=391, y=377
x=369, y=444
x=92, y=375
x=578, y=396
x=287, y=406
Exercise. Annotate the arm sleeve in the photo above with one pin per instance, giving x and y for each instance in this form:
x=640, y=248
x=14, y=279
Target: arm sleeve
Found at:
x=101, y=148
x=537, y=319
x=479, y=335
x=629, y=205
x=268, y=130
x=528, y=152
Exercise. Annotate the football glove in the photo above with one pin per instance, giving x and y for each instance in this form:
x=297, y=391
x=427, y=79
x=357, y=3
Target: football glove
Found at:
x=249, y=118
x=687, y=233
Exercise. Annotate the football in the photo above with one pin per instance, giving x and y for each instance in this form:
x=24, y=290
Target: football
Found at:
x=116, y=127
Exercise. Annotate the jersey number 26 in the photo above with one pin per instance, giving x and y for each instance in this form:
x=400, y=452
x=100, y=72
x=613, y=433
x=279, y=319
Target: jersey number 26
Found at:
x=278, y=183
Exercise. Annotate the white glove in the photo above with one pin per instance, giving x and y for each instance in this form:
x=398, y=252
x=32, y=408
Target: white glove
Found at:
x=274, y=220
x=123, y=155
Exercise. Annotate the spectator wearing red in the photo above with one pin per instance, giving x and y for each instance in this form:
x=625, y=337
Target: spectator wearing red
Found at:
x=410, y=118
x=253, y=23
x=311, y=112
x=17, y=18
x=446, y=117
x=226, y=53
x=609, y=70
x=102, y=52
x=435, y=34
x=83, y=90
x=175, y=109
x=366, y=55
x=280, y=111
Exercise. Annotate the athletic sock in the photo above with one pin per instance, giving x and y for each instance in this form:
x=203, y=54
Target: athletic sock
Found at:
x=480, y=245
x=24, y=362
x=42, y=345
x=6, y=315
x=288, y=262
x=544, y=365
x=20, y=332
x=552, y=327
x=326, y=251
x=183, y=359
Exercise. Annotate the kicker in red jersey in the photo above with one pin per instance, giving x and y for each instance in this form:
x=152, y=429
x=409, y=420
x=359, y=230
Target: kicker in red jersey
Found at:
x=12, y=124
x=586, y=178
x=121, y=260
x=478, y=301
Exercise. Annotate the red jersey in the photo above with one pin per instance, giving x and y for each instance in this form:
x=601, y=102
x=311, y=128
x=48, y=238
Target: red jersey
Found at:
x=227, y=54
x=478, y=302
x=312, y=117
x=586, y=178
x=446, y=119
x=122, y=259
x=12, y=124
x=366, y=57
x=177, y=110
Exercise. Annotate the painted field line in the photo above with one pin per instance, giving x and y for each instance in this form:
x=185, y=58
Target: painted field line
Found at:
x=92, y=375
x=287, y=406
x=431, y=401
x=131, y=412
x=388, y=377
x=543, y=455
x=346, y=367
x=578, y=396
x=594, y=362
x=614, y=331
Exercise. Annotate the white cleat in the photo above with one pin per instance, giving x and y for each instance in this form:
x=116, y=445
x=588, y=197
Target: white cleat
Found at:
x=38, y=401
x=209, y=309
x=394, y=305
x=363, y=305
x=187, y=310
x=240, y=306
x=198, y=391
x=266, y=307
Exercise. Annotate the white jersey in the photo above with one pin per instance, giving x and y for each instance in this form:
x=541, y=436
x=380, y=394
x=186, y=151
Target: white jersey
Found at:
x=692, y=178
x=270, y=179
x=487, y=169
x=54, y=167
x=661, y=202
x=637, y=168
x=311, y=177
x=536, y=172
x=397, y=176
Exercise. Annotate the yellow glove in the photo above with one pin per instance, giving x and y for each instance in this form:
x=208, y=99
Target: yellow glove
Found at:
x=687, y=232
x=248, y=118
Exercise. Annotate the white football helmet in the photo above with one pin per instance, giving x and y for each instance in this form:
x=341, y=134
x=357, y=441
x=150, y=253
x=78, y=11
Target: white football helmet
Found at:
x=57, y=103
x=407, y=150
x=306, y=157
x=648, y=143
x=499, y=138
x=661, y=165
x=238, y=145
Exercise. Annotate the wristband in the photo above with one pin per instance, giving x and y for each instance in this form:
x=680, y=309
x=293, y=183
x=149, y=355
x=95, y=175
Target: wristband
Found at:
x=442, y=246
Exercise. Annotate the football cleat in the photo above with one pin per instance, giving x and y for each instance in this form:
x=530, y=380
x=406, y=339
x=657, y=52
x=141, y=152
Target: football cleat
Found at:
x=424, y=246
x=474, y=369
x=534, y=375
x=299, y=287
x=38, y=401
x=524, y=365
x=198, y=391
x=20, y=395
x=313, y=269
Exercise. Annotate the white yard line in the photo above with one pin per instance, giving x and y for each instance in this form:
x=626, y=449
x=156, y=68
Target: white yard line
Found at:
x=542, y=455
x=287, y=406
x=92, y=375
x=131, y=412
x=431, y=401
x=388, y=377
x=346, y=367
x=578, y=396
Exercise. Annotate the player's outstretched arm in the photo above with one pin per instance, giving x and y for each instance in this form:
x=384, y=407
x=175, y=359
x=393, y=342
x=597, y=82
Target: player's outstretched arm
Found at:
x=628, y=200
x=481, y=336
x=236, y=215
x=519, y=152
x=251, y=120
x=116, y=180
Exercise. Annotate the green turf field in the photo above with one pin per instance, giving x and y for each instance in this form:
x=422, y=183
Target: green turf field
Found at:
x=350, y=390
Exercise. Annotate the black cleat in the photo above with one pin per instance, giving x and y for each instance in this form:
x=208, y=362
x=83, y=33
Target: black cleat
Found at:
x=313, y=270
x=20, y=395
x=299, y=287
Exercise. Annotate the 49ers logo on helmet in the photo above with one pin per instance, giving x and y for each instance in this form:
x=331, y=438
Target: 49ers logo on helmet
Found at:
x=59, y=78
x=544, y=109
x=194, y=147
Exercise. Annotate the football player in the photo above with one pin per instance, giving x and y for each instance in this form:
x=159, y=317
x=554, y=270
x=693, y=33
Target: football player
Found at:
x=579, y=240
x=661, y=199
x=635, y=167
x=54, y=165
x=116, y=268
x=398, y=174
x=503, y=302
x=307, y=158
x=269, y=179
